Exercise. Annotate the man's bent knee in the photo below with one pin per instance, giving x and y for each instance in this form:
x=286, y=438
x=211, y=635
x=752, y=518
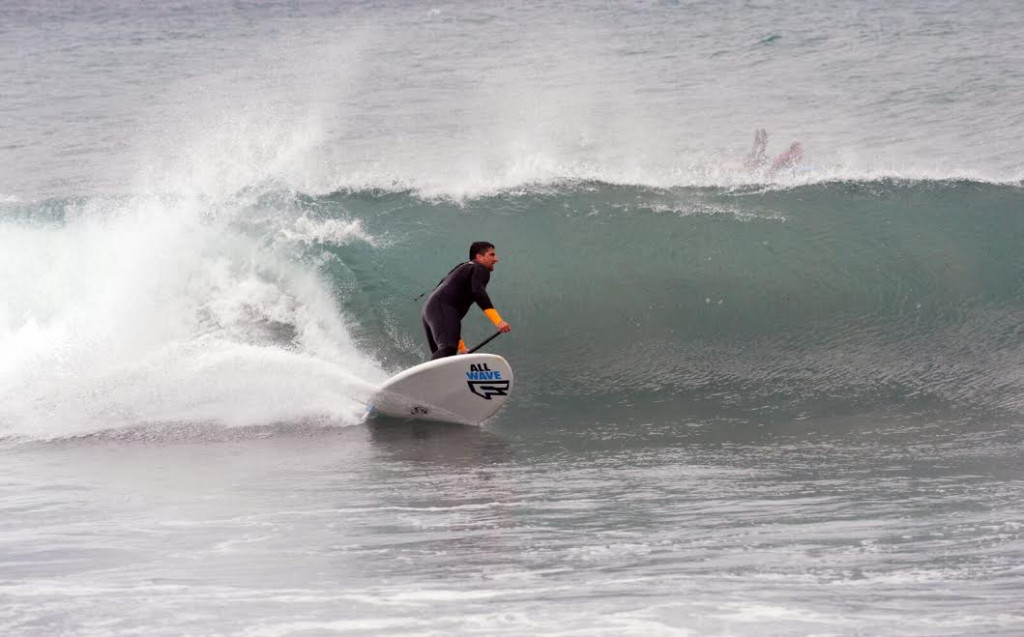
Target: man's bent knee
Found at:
x=444, y=351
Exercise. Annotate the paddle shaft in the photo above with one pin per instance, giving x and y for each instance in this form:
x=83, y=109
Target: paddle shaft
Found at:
x=486, y=341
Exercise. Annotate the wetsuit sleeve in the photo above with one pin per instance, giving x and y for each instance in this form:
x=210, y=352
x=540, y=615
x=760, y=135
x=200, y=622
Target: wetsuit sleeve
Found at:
x=493, y=315
x=478, y=284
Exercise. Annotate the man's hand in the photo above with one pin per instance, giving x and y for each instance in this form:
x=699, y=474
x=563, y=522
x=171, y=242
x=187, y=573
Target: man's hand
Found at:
x=504, y=327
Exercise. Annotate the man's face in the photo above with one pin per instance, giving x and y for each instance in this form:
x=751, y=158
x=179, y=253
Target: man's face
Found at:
x=487, y=258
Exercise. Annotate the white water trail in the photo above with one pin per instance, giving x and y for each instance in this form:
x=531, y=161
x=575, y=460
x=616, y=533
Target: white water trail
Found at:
x=157, y=310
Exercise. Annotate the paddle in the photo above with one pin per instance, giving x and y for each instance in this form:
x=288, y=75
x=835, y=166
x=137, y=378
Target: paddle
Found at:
x=486, y=341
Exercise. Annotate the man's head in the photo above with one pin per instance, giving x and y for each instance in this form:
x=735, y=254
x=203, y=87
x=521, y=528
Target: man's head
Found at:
x=483, y=253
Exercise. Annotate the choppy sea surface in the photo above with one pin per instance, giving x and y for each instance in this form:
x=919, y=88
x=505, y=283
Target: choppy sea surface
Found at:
x=748, y=401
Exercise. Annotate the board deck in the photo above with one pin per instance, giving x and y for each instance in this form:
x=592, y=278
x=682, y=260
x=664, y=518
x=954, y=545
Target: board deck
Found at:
x=466, y=389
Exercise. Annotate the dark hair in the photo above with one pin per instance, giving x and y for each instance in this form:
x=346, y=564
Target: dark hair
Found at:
x=479, y=247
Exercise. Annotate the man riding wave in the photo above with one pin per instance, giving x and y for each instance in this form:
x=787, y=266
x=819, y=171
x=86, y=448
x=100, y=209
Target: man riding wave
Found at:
x=464, y=285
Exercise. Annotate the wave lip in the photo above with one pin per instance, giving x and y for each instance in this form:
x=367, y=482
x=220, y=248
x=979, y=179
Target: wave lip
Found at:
x=462, y=188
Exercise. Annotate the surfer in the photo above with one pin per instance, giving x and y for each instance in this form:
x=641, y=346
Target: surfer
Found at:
x=465, y=284
x=757, y=159
x=789, y=159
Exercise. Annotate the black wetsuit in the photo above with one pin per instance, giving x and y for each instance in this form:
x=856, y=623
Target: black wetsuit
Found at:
x=448, y=303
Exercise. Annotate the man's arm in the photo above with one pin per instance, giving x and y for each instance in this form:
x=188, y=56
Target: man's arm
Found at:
x=479, y=285
x=502, y=326
x=478, y=280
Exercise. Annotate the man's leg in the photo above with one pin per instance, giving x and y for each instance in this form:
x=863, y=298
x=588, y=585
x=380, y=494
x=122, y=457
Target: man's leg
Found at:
x=443, y=327
x=430, y=337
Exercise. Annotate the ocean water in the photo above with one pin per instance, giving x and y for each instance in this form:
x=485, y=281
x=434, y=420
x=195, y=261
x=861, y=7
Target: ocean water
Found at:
x=748, y=402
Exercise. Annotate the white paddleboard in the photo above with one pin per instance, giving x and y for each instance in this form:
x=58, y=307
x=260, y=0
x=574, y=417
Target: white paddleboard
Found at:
x=466, y=389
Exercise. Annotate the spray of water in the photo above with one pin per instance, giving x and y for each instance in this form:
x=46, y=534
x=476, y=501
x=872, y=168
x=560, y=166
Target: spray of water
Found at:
x=181, y=305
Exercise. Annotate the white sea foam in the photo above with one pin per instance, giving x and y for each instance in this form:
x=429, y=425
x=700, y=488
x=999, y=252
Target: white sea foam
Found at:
x=330, y=231
x=337, y=105
x=153, y=311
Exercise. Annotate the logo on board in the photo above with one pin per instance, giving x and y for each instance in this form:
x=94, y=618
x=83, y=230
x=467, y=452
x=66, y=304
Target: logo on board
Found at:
x=485, y=382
